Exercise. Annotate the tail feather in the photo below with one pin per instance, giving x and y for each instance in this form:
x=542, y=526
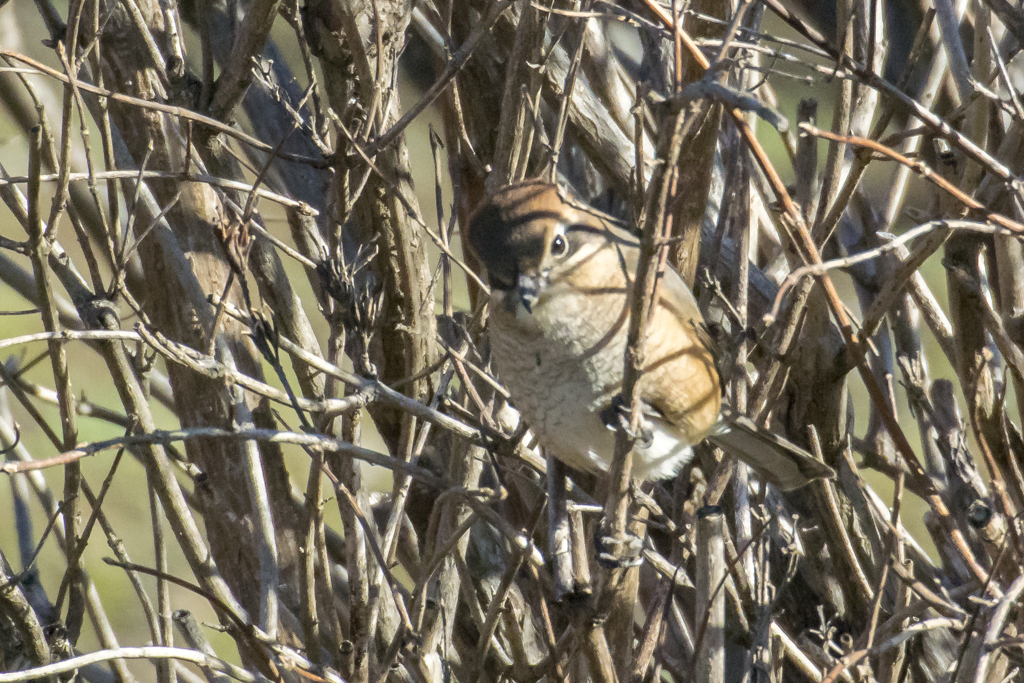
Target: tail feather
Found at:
x=776, y=460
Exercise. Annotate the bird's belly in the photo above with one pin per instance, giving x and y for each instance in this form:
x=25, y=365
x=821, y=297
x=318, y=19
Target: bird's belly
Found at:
x=560, y=377
x=559, y=396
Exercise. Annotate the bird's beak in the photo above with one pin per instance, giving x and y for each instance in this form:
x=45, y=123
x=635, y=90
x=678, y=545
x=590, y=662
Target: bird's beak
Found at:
x=528, y=287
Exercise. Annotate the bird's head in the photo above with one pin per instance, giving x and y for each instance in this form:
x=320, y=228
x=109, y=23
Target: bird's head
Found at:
x=529, y=235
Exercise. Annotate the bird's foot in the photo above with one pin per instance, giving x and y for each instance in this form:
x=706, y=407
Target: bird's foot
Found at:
x=619, y=552
x=619, y=416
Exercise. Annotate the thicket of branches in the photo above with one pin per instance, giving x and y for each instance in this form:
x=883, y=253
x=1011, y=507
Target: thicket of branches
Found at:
x=168, y=133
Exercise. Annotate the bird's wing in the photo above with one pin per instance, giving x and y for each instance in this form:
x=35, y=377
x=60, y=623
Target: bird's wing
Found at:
x=681, y=380
x=677, y=295
x=673, y=292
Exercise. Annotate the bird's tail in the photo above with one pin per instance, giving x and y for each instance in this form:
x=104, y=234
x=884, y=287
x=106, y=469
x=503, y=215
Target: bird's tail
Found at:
x=776, y=460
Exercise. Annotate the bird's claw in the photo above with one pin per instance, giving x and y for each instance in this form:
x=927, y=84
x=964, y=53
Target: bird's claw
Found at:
x=619, y=552
x=619, y=416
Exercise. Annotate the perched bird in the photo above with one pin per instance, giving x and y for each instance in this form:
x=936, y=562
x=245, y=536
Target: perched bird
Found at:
x=561, y=276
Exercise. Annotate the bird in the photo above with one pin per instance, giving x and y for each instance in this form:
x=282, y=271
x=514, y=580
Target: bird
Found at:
x=561, y=275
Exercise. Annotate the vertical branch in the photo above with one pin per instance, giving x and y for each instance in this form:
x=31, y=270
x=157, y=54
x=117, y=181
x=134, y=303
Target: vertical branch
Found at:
x=745, y=225
x=613, y=594
x=62, y=378
x=949, y=29
x=522, y=84
x=355, y=651
x=933, y=82
x=237, y=73
x=559, y=531
x=842, y=107
x=165, y=672
x=567, y=93
x=263, y=527
x=697, y=156
x=358, y=576
x=310, y=547
x=710, y=614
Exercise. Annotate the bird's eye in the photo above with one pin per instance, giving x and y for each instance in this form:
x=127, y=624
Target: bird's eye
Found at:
x=558, y=246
